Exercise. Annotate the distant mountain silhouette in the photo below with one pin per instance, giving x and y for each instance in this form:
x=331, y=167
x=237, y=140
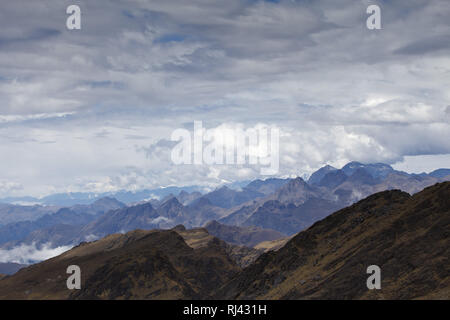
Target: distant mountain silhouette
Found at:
x=64, y=220
x=11, y=213
x=225, y=197
x=318, y=175
x=10, y=268
x=128, y=197
x=266, y=186
x=440, y=173
x=376, y=170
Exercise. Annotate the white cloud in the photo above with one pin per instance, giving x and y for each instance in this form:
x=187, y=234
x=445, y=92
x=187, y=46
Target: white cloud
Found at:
x=39, y=116
x=9, y=186
x=91, y=237
x=26, y=254
x=78, y=108
x=160, y=220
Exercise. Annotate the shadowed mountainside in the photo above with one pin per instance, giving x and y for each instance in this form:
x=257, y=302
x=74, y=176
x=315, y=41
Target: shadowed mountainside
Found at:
x=246, y=236
x=9, y=268
x=408, y=237
x=156, y=264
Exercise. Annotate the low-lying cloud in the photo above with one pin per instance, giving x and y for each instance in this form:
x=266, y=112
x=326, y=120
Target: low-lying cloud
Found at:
x=26, y=254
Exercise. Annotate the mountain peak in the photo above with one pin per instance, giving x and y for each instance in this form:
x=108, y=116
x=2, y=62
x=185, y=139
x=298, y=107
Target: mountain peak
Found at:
x=179, y=227
x=297, y=182
x=353, y=164
x=212, y=224
x=296, y=191
x=172, y=201
x=223, y=189
x=319, y=174
x=376, y=170
x=200, y=202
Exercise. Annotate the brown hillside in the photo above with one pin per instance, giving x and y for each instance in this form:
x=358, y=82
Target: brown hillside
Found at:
x=136, y=265
x=407, y=237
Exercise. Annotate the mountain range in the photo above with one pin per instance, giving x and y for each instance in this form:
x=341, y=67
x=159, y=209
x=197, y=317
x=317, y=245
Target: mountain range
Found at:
x=73, y=198
x=61, y=224
x=261, y=210
x=407, y=236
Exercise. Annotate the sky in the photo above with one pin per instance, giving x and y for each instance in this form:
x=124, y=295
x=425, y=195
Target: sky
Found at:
x=94, y=109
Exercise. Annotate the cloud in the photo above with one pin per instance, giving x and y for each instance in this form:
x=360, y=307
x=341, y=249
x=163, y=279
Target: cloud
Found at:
x=9, y=186
x=26, y=254
x=93, y=110
x=160, y=220
x=39, y=116
x=91, y=237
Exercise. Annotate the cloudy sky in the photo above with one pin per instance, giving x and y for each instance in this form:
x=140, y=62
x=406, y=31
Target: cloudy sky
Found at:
x=94, y=109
